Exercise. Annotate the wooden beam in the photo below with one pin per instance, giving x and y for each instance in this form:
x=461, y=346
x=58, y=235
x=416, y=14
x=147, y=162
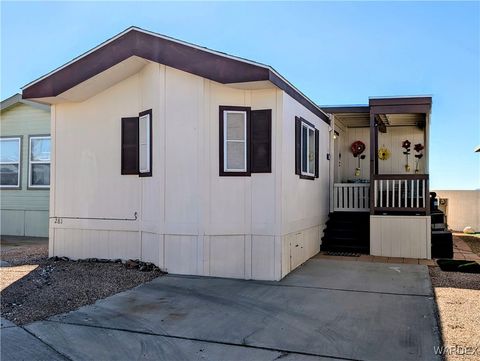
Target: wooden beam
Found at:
x=401, y=109
x=400, y=101
x=401, y=176
x=372, y=160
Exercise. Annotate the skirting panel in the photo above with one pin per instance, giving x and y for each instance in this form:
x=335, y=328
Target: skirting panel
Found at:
x=30, y=223
x=88, y=243
x=400, y=236
x=232, y=256
x=298, y=247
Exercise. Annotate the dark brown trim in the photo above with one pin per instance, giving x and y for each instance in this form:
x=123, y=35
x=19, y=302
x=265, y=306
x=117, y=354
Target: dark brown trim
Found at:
x=256, y=123
x=393, y=210
x=400, y=101
x=401, y=209
x=317, y=153
x=148, y=46
x=346, y=109
x=400, y=177
x=20, y=165
x=406, y=105
x=298, y=147
x=186, y=57
x=372, y=161
x=146, y=112
x=299, y=97
x=427, y=197
x=303, y=120
x=221, y=170
x=298, y=156
x=123, y=167
x=401, y=109
x=375, y=149
x=309, y=177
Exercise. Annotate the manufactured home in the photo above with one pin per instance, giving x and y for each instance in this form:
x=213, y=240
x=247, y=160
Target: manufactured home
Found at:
x=208, y=164
x=24, y=168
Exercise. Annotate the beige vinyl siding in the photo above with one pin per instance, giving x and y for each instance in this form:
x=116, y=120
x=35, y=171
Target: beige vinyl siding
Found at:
x=400, y=236
x=24, y=211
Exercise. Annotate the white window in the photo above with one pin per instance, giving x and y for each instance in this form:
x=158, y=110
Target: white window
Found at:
x=308, y=150
x=145, y=144
x=10, y=162
x=234, y=141
x=39, y=162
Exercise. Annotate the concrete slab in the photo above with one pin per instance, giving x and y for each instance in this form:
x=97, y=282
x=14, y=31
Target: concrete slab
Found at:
x=6, y=323
x=18, y=344
x=287, y=316
x=405, y=279
x=107, y=344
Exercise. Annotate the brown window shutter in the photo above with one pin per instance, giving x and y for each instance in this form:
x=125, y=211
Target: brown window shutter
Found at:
x=316, y=152
x=261, y=141
x=298, y=146
x=130, y=145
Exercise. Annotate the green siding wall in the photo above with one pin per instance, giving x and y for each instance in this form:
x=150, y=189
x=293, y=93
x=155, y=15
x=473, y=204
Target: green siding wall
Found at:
x=24, y=211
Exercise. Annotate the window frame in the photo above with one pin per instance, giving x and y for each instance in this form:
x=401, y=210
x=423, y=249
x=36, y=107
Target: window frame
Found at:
x=147, y=173
x=30, y=162
x=310, y=128
x=19, y=177
x=223, y=170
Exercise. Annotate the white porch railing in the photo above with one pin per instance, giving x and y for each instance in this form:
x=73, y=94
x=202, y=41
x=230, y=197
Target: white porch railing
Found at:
x=401, y=193
x=351, y=197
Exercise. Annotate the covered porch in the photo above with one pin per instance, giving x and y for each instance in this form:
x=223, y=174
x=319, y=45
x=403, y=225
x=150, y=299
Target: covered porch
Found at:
x=390, y=173
x=379, y=173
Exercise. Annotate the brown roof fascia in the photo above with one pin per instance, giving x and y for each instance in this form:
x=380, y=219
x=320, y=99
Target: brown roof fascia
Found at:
x=189, y=58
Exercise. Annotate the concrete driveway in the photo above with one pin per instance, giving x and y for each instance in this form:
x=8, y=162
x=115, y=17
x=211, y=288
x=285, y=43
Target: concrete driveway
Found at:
x=325, y=310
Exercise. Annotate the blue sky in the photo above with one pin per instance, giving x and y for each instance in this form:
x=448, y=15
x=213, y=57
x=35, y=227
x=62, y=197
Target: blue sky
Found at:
x=336, y=53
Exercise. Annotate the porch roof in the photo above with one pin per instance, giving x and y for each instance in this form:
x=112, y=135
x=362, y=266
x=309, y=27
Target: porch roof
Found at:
x=398, y=111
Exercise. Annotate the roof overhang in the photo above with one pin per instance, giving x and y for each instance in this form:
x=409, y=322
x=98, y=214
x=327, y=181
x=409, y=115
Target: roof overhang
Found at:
x=17, y=99
x=398, y=111
x=135, y=42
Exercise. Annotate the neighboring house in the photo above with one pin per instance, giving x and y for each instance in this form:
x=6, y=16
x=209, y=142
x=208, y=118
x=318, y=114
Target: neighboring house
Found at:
x=25, y=167
x=461, y=207
x=205, y=163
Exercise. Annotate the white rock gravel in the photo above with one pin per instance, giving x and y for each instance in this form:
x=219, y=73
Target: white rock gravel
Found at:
x=458, y=300
x=30, y=293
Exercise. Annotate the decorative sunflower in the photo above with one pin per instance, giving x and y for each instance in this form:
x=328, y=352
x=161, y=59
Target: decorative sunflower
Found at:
x=383, y=153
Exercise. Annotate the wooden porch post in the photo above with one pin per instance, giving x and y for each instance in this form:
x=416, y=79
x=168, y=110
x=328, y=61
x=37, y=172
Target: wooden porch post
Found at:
x=373, y=157
x=426, y=135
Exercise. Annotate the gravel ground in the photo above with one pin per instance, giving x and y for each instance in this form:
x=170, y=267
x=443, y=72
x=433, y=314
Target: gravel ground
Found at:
x=15, y=253
x=472, y=241
x=31, y=293
x=458, y=300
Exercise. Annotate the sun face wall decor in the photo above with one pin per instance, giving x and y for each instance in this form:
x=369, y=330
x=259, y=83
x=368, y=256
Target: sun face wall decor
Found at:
x=384, y=153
